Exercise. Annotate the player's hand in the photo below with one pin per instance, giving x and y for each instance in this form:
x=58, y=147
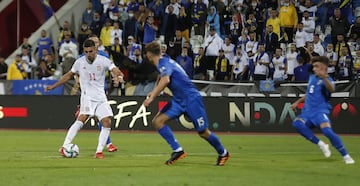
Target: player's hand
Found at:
x=294, y=106
x=117, y=80
x=148, y=100
x=48, y=88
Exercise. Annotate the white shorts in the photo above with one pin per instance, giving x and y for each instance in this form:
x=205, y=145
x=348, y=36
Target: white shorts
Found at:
x=100, y=109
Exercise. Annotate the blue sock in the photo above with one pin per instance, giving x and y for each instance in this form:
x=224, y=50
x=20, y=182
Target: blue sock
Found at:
x=335, y=140
x=215, y=142
x=305, y=131
x=167, y=134
x=108, y=141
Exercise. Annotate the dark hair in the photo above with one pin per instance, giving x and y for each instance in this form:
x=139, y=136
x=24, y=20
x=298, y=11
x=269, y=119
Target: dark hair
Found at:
x=89, y=43
x=153, y=48
x=321, y=59
x=92, y=35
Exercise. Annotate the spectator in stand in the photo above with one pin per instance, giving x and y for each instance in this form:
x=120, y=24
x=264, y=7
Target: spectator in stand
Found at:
x=309, y=52
x=157, y=6
x=354, y=32
x=130, y=26
x=200, y=65
x=150, y=30
x=184, y=23
x=301, y=72
x=251, y=43
x=137, y=58
x=271, y=41
x=212, y=45
x=240, y=66
x=213, y=20
x=46, y=69
x=199, y=15
x=333, y=58
x=96, y=24
x=235, y=29
x=176, y=7
x=222, y=67
x=83, y=34
x=117, y=53
x=251, y=62
x=345, y=65
x=170, y=24
x=116, y=33
x=300, y=38
x=221, y=11
x=190, y=52
x=292, y=61
x=44, y=43
x=311, y=8
x=186, y=62
x=340, y=44
x=123, y=14
x=17, y=69
x=26, y=44
x=163, y=50
x=274, y=21
x=261, y=63
x=132, y=45
x=133, y=5
x=339, y=25
x=229, y=50
x=105, y=4
x=318, y=47
x=65, y=29
x=288, y=20
x=356, y=64
x=113, y=11
x=258, y=12
x=280, y=66
x=29, y=62
x=3, y=68
x=105, y=34
x=68, y=51
x=251, y=25
x=309, y=26
x=88, y=14
x=175, y=45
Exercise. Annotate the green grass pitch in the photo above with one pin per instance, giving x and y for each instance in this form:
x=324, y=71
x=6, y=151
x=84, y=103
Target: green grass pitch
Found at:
x=31, y=158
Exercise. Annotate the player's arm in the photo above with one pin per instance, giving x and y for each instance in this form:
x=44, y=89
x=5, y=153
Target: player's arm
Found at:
x=66, y=77
x=162, y=83
x=328, y=84
x=118, y=76
x=295, y=104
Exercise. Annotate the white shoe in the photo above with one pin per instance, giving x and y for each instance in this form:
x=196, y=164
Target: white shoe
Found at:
x=348, y=159
x=325, y=149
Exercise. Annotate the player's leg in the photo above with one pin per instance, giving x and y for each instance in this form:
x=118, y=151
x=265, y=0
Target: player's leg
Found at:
x=171, y=110
x=104, y=114
x=111, y=147
x=304, y=129
x=196, y=112
x=335, y=139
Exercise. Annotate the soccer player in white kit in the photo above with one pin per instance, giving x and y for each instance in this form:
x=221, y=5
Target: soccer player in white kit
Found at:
x=91, y=69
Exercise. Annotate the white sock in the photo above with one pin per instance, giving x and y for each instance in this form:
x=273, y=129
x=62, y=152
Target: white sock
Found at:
x=224, y=153
x=321, y=143
x=73, y=130
x=104, y=134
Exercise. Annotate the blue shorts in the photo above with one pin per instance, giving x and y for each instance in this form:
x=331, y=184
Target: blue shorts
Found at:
x=194, y=109
x=315, y=120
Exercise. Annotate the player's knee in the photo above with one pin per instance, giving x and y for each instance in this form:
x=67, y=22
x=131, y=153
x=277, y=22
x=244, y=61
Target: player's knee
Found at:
x=106, y=122
x=157, y=123
x=204, y=133
x=298, y=123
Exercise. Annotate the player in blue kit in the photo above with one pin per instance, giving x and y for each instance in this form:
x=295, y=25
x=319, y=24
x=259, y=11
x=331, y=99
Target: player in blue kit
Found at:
x=186, y=100
x=316, y=110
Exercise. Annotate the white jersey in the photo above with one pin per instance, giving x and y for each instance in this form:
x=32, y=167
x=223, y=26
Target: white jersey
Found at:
x=279, y=62
x=92, y=76
x=239, y=63
x=229, y=51
x=260, y=68
x=292, y=62
x=300, y=38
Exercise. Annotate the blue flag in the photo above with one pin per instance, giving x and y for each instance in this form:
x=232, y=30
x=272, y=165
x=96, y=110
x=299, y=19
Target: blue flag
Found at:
x=267, y=85
x=47, y=8
x=35, y=87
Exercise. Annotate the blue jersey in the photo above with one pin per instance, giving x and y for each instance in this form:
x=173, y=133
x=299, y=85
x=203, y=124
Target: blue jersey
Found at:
x=317, y=97
x=180, y=84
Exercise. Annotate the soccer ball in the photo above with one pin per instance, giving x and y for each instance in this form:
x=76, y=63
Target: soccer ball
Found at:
x=71, y=150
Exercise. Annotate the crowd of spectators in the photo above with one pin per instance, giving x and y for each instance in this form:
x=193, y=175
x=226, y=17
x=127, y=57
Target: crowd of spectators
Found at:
x=217, y=40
